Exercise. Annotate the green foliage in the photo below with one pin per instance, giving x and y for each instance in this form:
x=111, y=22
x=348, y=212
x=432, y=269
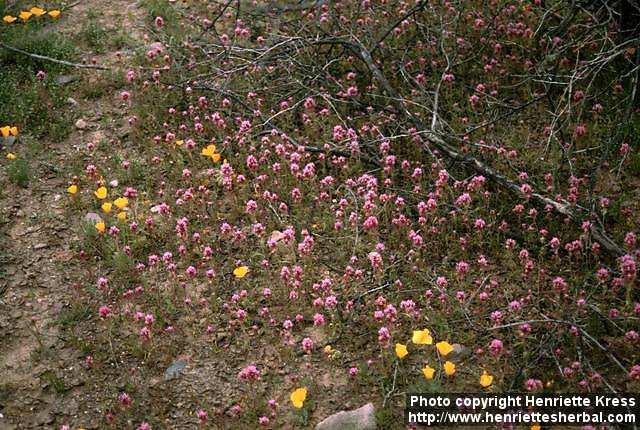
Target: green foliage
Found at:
x=33, y=105
x=18, y=172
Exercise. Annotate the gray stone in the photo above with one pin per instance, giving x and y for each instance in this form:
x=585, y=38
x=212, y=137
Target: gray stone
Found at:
x=65, y=79
x=81, y=124
x=72, y=101
x=175, y=370
x=92, y=217
x=358, y=419
x=459, y=352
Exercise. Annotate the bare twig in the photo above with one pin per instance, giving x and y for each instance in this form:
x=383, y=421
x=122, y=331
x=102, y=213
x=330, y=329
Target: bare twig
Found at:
x=52, y=60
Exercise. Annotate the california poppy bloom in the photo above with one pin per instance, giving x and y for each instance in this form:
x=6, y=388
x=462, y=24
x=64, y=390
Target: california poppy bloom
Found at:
x=240, y=272
x=101, y=193
x=444, y=348
x=36, y=11
x=485, y=379
x=428, y=372
x=449, y=368
x=422, y=337
x=401, y=350
x=298, y=397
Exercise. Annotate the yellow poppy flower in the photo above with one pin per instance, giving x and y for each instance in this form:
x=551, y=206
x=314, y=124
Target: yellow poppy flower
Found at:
x=54, y=13
x=401, y=350
x=536, y=427
x=428, y=372
x=486, y=379
x=216, y=157
x=449, y=368
x=328, y=349
x=5, y=131
x=72, y=189
x=13, y=130
x=422, y=337
x=179, y=142
x=101, y=227
x=37, y=11
x=101, y=193
x=298, y=397
x=25, y=15
x=106, y=207
x=11, y=156
x=122, y=216
x=121, y=202
x=9, y=19
x=444, y=348
x=209, y=150
x=240, y=272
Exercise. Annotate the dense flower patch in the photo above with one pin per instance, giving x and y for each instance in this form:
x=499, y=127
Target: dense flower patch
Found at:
x=277, y=189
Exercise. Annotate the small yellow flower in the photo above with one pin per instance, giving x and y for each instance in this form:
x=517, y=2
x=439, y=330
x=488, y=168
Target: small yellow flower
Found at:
x=9, y=19
x=106, y=207
x=209, y=150
x=122, y=216
x=328, y=349
x=422, y=337
x=444, y=348
x=54, y=13
x=101, y=227
x=25, y=15
x=449, y=368
x=535, y=427
x=298, y=397
x=37, y=11
x=13, y=130
x=486, y=379
x=72, y=189
x=240, y=272
x=101, y=193
x=11, y=156
x=428, y=372
x=401, y=350
x=5, y=131
x=179, y=142
x=121, y=202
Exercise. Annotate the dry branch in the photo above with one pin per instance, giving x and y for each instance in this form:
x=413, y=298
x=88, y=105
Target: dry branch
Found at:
x=52, y=60
x=439, y=141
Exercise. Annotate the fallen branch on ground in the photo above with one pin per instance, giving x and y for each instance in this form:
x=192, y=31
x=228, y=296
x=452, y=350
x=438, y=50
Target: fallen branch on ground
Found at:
x=53, y=60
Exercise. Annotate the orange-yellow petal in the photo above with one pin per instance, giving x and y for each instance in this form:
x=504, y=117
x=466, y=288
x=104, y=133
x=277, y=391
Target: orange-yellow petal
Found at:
x=298, y=397
x=240, y=272
x=37, y=11
x=401, y=350
x=444, y=348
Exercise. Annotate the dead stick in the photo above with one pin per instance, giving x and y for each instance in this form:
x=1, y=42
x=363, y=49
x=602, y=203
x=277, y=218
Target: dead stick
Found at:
x=437, y=140
x=52, y=60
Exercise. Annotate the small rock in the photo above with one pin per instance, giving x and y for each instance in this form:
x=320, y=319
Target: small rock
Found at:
x=92, y=217
x=459, y=352
x=65, y=79
x=72, y=101
x=40, y=246
x=81, y=124
x=359, y=419
x=175, y=370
